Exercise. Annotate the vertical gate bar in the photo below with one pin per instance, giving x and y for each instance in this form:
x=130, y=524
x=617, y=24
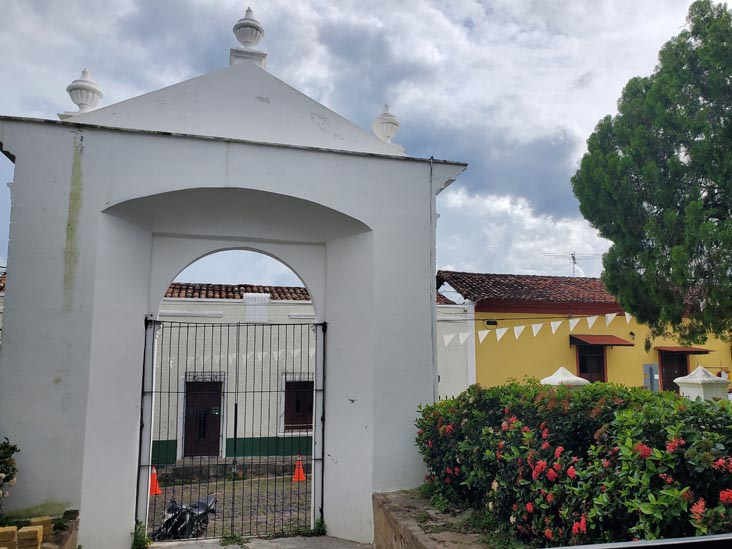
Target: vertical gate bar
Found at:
x=236, y=429
x=318, y=427
x=323, y=362
x=246, y=422
x=267, y=423
x=146, y=403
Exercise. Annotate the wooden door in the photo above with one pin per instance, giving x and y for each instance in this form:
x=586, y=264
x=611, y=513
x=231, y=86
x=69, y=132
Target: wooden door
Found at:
x=203, y=418
x=673, y=365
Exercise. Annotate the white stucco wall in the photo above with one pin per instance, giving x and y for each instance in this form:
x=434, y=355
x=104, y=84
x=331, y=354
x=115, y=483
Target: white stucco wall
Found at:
x=453, y=356
x=94, y=242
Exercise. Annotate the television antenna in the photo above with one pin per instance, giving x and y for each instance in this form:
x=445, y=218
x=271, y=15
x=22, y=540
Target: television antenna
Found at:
x=573, y=257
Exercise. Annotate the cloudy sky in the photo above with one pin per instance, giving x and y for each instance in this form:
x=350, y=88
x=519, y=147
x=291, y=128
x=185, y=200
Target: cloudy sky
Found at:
x=513, y=87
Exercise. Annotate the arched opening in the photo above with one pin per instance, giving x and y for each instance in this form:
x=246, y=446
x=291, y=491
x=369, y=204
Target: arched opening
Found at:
x=232, y=398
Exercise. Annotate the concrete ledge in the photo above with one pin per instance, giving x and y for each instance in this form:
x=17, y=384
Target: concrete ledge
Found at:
x=395, y=525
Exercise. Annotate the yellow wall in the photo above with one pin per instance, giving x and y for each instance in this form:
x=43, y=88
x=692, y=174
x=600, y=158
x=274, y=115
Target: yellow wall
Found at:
x=540, y=356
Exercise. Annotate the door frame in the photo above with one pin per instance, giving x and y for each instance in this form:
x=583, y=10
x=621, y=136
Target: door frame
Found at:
x=661, y=355
x=180, y=435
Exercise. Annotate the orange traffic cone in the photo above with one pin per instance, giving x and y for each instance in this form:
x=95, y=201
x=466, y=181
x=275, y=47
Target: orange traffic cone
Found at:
x=299, y=475
x=154, y=486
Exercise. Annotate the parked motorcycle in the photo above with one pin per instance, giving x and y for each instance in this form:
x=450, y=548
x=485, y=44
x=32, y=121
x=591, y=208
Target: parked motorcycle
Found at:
x=185, y=521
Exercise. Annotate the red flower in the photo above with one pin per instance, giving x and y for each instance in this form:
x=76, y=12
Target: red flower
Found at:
x=571, y=473
x=558, y=451
x=543, y=425
x=720, y=464
x=420, y=432
x=606, y=463
x=688, y=495
x=557, y=467
x=545, y=434
x=603, y=488
x=498, y=455
x=539, y=468
x=429, y=443
x=674, y=444
x=575, y=528
x=544, y=445
x=448, y=480
x=725, y=496
x=548, y=534
x=642, y=450
x=665, y=476
x=551, y=475
x=530, y=507
x=583, y=524
x=448, y=470
x=449, y=429
x=697, y=510
x=456, y=470
x=501, y=444
x=550, y=497
x=505, y=410
x=525, y=429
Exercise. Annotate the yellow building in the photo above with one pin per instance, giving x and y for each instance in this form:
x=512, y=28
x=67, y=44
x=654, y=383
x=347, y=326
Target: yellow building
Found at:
x=529, y=325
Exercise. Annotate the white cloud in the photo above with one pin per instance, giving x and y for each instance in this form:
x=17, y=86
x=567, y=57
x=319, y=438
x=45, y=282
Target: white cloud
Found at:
x=514, y=87
x=239, y=267
x=503, y=234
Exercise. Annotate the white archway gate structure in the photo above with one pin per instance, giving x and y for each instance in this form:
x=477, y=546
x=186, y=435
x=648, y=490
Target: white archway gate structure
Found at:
x=108, y=206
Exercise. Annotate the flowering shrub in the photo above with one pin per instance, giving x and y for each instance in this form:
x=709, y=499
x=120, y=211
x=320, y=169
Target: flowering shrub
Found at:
x=7, y=468
x=595, y=464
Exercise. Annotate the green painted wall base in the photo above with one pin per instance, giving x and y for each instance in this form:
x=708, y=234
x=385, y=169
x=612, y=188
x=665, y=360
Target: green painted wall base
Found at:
x=164, y=451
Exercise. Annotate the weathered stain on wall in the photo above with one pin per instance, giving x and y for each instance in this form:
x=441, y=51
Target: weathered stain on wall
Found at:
x=71, y=250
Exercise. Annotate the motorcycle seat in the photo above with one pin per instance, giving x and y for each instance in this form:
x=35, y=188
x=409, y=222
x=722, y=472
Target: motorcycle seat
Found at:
x=204, y=505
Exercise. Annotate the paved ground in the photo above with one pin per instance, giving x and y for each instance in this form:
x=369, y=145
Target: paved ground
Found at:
x=282, y=543
x=254, y=507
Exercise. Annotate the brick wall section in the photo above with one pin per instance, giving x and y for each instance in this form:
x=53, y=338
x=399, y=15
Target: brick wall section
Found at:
x=9, y=537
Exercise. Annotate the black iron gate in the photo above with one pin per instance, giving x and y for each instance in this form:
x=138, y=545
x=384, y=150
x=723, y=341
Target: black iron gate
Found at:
x=233, y=411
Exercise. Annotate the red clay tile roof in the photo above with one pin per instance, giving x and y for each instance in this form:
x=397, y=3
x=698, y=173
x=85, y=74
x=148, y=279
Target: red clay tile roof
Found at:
x=555, y=289
x=235, y=291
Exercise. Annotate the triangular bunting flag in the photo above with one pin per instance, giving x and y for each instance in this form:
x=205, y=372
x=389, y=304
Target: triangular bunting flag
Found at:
x=500, y=333
x=448, y=338
x=517, y=330
x=463, y=337
x=573, y=323
x=279, y=353
x=555, y=325
x=258, y=355
x=591, y=320
x=482, y=334
x=536, y=328
x=609, y=318
x=628, y=317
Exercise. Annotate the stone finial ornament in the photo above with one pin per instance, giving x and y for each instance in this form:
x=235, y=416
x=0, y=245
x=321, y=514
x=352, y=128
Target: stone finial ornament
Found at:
x=248, y=31
x=84, y=93
x=386, y=125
